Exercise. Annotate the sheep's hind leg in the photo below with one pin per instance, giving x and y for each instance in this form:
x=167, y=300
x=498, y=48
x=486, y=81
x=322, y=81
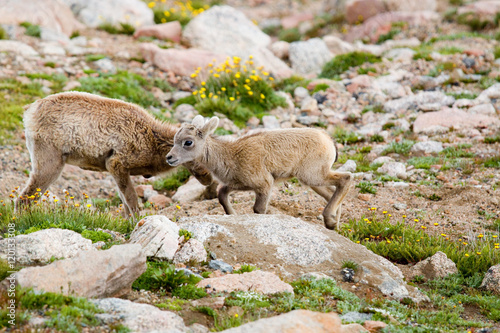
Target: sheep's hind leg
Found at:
x=46, y=166
x=342, y=181
x=224, y=199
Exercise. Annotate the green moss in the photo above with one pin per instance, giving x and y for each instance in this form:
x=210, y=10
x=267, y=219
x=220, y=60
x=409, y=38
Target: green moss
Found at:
x=122, y=28
x=341, y=63
x=124, y=85
x=96, y=235
x=290, y=35
x=3, y=33
x=366, y=187
x=402, y=148
x=320, y=87
x=173, y=181
x=288, y=85
x=493, y=162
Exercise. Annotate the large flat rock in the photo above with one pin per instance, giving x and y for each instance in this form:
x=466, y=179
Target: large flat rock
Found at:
x=292, y=247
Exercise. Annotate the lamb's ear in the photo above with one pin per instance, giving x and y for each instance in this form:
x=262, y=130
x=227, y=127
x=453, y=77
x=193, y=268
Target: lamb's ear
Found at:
x=210, y=126
x=198, y=121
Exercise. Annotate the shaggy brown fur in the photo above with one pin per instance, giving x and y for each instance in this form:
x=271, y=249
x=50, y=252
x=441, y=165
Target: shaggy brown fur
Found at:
x=99, y=134
x=255, y=162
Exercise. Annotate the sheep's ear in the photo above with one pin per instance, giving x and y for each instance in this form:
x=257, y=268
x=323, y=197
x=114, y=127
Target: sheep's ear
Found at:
x=198, y=121
x=210, y=126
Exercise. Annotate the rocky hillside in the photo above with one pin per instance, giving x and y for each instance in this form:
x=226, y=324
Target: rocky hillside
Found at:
x=411, y=97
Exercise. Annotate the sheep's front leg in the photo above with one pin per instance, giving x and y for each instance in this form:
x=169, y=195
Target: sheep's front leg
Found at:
x=125, y=186
x=342, y=181
x=224, y=199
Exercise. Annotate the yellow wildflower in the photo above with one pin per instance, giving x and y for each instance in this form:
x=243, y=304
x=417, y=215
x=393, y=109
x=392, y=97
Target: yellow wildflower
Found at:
x=151, y=4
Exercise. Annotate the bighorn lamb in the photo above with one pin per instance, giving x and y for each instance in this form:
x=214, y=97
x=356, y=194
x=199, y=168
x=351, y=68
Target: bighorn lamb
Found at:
x=255, y=162
x=99, y=134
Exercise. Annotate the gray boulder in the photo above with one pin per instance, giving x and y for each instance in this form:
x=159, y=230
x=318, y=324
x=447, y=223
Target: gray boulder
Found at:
x=427, y=147
x=41, y=246
x=437, y=266
x=491, y=280
x=230, y=32
x=393, y=169
x=282, y=242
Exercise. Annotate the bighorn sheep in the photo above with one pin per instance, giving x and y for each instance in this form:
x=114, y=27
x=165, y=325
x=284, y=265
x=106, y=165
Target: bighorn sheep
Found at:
x=98, y=134
x=255, y=162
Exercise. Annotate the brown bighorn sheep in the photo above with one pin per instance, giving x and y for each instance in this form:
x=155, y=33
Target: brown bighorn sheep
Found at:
x=98, y=134
x=255, y=162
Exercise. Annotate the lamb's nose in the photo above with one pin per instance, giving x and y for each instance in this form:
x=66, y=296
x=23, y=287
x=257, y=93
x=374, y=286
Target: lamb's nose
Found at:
x=169, y=157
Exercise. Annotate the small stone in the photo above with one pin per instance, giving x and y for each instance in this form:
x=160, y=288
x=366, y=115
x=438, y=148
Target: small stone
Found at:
x=105, y=65
x=437, y=266
x=192, y=251
x=157, y=235
x=270, y=122
x=393, y=169
x=300, y=93
x=160, y=200
x=309, y=105
x=364, y=196
x=347, y=274
x=374, y=326
x=140, y=189
x=400, y=206
x=221, y=266
x=349, y=166
x=427, y=147
x=71, y=85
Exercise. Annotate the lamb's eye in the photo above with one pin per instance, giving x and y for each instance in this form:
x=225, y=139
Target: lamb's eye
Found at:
x=188, y=143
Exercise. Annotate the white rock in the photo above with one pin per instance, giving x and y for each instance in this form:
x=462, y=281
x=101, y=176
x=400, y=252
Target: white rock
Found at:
x=139, y=317
x=393, y=169
x=105, y=65
x=40, y=246
x=281, y=49
x=427, y=147
x=487, y=109
x=96, y=12
x=108, y=273
x=17, y=48
x=436, y=266
x=337, y=45
x=309, y=57
x=400, y=54
x=193, y=190
x=157, y=235
x=382, y=160
x=192, y=251
x=349, y=166
x=270, y=122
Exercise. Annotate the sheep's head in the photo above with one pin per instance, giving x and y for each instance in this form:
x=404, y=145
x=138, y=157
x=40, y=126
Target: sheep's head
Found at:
x=190, y=140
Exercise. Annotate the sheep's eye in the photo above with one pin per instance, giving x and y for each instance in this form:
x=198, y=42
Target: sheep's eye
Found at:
x=188, y=143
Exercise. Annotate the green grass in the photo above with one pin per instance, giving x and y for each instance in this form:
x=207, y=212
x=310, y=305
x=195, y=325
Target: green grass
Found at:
x=122, y=28
x=341, y=63
x=492, y=162
x=11, y=109
x=492, y=139
x=402, y=148
x=288, y=85
x=94, y=57
x=245, y=269
x=3, y=34
x=162, y=276
x=320, y=87
x=64, y=313
x=390, y=35
x=424, y=162
x=124, y=85
x=460, y=95
x=345, y=137
x=290, y=35
x=366, y=187
x=238, y=91
x=350, y=264
x=96, y=235
x=45, y=215
x=447, y=50
x=473, y=20
x=173, y=181
x=32, y=30
x=457, y=152
x=402, y=243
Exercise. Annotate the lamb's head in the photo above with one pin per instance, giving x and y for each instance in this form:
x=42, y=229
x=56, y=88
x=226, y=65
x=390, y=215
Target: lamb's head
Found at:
x=190, y=140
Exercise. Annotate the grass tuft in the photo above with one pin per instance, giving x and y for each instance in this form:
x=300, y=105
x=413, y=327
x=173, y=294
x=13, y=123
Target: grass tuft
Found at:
x=341, y=63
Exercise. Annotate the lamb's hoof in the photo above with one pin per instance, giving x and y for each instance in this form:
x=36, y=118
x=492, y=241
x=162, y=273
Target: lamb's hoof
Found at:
x=330, y=224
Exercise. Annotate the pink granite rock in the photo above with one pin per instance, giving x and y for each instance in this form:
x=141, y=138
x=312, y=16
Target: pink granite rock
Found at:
x=166, y=31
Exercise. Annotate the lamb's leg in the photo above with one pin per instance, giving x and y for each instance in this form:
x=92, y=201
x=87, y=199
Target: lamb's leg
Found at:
x=262, y=196
x=224, y=199
x=327, y=193
x=125, y=186
x=205, y=178
x=342, y=181
x=47, y=164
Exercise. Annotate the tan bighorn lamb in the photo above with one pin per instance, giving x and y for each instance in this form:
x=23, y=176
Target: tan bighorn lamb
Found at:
x=255, y=162
x=99, y=134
